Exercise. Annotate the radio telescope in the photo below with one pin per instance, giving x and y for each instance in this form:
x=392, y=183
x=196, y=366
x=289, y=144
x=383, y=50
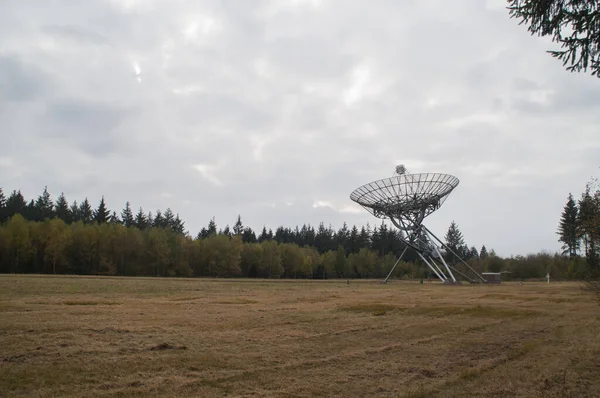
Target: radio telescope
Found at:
x=406, y=199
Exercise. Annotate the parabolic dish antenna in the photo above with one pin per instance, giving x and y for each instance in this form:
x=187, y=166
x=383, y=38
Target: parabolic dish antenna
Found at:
x=406, y=199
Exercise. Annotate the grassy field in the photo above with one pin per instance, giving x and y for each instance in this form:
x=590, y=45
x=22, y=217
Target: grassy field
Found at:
x=94, y=336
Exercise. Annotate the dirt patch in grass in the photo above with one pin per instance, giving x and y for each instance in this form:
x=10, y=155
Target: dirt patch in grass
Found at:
x=88, y=302
x=236, y=301
x=167, y=346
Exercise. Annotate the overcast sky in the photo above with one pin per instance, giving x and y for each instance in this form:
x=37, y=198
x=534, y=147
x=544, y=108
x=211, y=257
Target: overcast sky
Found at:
x=277, y=110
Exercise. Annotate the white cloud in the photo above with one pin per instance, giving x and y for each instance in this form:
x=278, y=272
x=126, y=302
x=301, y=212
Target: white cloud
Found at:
x=208, y=172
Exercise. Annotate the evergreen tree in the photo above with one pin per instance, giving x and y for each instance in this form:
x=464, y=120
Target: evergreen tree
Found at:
x=454, y=239
x=212, y=227
x=264, y=236
x=31, y=212
x=226, y=231
x=102, y=214
x=341, y=238
x=353, y=242
x=114, y=218
x=159, y=220
x=473, y=253
x=127, y=216
x=568, y=226
x=3, y=211
x=589, y=227
x=238, y=227
x=75, y=212
x=61, y=209
x=15, y=204
x=85, y=211
x=483, y=253
x=364, y=238
x=44, y=208
x=140, y=222
x=169, y=218
x=248, y=236
x=575, y=24
x=323, y=239
x=178, y=225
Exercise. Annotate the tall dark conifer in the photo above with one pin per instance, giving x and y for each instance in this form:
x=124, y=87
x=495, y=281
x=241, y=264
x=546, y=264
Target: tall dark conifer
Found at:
x=75, y=212
x=44, y=207
x=114, y=218
x=169, y=218
x=454, y=239
x=212, y=227
x=85, y=212
x=483, y=253
x=61, y=209
x=248, y=236
x=3, y=212
x=127, y=215
x=178, y=225
x=568, y=226
x=140, y=222
x=15, y=204
x=238, y=227
x=589, y=226
x=102, y=214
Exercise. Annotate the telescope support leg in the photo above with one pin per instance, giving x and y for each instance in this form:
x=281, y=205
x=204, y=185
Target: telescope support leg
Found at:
x=394, y=267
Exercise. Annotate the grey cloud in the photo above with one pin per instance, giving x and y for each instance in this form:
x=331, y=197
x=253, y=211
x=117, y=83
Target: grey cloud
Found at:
x=76, y=33
x=89, y=126
x=20, y=81
x=256, y=97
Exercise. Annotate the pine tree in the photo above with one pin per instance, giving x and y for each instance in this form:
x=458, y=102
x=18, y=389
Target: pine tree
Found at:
x=341, y=238
x=169, y=218
x=31, y=212
x=159, y=220
x=574, y=24
x=483, y=253
x=114, y=218
x=568, y=226
x=178, y=225
x=75, y=212
x=85, y=211
x=212, y=227
x=15, y=204
x=127, y=216
x=238, y=227
x=248, y=236
x=44, y=207
x=61, y=209
x=589, y=227
x=3, y=211
x=364, y=238
x=102, y=214
x=454, y=239
x=353, y=242
x=473, y=253
x=140, y=222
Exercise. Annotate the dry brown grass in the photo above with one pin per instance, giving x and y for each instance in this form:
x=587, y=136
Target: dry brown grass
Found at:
x=93, y=336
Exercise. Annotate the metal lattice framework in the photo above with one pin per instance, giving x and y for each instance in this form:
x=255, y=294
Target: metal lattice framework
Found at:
x=406, y=199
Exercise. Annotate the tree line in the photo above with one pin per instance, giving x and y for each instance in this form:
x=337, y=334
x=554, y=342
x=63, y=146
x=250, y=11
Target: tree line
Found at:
x=579, y=227
x=43, y=236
